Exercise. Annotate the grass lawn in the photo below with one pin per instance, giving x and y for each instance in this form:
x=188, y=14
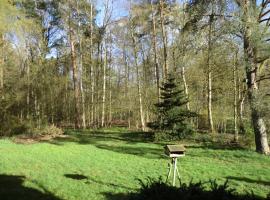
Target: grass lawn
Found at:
x=97, y=165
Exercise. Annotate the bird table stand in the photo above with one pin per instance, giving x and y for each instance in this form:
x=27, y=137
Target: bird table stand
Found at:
x=174, y=152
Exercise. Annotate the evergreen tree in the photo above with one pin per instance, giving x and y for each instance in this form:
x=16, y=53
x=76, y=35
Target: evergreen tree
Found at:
x=171, y=110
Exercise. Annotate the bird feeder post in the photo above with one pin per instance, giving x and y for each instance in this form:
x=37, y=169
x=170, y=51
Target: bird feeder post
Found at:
x=174, y=152
x=174, y=170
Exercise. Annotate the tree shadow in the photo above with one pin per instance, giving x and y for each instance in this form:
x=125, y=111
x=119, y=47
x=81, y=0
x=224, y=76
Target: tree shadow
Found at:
x=76, y=176
x=248, y=180
x=147, y=152
x=89, y=180
x=217, y=146
x=87, y=137
x=206, y=151
x=125, y=140
x=191, y=191
x=116, y=196
x=12, y=188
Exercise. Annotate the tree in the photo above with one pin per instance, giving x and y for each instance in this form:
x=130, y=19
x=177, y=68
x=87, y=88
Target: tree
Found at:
x=256, y=50
x=172, y=114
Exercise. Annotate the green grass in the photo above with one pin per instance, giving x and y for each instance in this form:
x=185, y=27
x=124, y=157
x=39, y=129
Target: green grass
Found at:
x=93, y=165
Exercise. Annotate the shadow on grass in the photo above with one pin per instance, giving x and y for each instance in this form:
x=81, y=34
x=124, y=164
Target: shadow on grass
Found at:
x=217, y=146
x=118, y=196
x=92, y=138
x=222, y=152
x=76, y=176
x=147, y=152
x=89, y=181
x=248, y=180
x=193, y=191
x=11, y=188
x=174, y=195
x=125, y=142
x=127, y=136
x=118, y=142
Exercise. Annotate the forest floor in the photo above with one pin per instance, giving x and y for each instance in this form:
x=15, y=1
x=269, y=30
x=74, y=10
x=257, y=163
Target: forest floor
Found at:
x=102, y=164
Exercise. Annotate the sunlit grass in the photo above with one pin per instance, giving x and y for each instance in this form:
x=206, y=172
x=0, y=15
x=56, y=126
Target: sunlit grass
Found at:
x=89, y=165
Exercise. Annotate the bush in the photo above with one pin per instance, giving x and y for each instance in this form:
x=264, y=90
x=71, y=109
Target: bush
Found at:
x=21, y=128
x=175, y=135
x=47, y=130
x=162, y=136
x=50, y=130
x=14, y=126
x=158, y=190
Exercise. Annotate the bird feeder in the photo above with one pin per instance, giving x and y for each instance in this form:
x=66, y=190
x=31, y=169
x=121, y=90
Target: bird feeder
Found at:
x=174, y=152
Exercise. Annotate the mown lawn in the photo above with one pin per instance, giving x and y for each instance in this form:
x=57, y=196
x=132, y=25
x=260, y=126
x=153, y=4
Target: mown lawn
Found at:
x=97, y=165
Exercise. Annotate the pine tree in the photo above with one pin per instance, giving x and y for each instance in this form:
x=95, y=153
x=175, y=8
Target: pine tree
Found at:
x=172, y=113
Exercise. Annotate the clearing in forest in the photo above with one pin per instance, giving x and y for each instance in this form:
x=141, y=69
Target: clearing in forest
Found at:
x=101, y=164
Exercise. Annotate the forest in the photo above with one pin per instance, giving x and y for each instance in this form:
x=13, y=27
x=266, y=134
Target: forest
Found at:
x=172, y=70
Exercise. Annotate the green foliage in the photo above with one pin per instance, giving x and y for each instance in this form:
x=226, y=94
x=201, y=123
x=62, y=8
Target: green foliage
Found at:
x=171, y=111
x=158, y=190
x=13, y=126
x=160, y=136
x=37, y=90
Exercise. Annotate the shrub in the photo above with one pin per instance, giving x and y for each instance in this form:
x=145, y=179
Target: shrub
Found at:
x=162, y=136
x=51, y=130
x=14, y=126
x=21, y=128
x=172, y=136
x=46, y=130
x=158, y=190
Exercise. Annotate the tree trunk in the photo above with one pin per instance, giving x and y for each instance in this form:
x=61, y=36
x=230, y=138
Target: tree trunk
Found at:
x=1, y=75
x=183, y=48
x=138, y=84
x=98, y=71
x=235, y=100
x=92, y=79
x=28, y=90
x=209, y=77
x=81, y=72
x=104, y=86
x=83, y=117
x=154, y=41
x=257, y=120
x=2, y=62
x=83, y=102
x=75, y=81
x=110, y=83
x=127, y=98
x=110, y=106
x=241, y=101
x=258, y=124
x=164, y=40
x=252, y=86
x=183, y=73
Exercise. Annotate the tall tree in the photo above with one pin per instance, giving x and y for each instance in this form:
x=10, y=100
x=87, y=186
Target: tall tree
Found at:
x=139, y=87
x=252, y=24
x=154, y=40
x=164, y=38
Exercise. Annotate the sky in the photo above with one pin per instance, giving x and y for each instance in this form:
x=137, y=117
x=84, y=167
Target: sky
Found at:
x=119, y=9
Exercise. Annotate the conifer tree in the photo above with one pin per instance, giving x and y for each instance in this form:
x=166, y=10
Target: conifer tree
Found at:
x=171, y=110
